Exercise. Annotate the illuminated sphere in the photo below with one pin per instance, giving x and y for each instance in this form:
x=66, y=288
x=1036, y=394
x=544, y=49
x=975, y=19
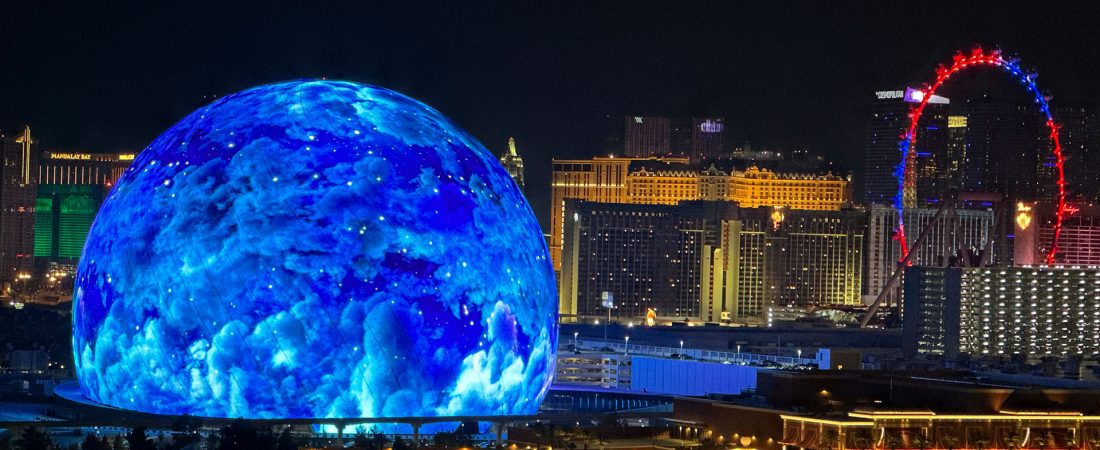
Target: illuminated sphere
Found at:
x=316, y=249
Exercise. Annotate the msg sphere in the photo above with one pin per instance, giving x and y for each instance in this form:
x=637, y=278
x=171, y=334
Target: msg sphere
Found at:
x=316, y=249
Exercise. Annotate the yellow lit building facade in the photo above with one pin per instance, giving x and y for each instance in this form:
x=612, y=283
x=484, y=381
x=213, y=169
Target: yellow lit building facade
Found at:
x=668, y=181
x=923, y=428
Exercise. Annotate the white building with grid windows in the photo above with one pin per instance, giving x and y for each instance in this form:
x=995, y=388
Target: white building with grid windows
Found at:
x=1033, y=311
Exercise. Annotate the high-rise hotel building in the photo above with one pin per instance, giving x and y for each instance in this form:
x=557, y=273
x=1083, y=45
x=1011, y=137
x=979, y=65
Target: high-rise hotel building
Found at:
x=1078, y=243
x=513, y=163
x=668, y=181
x=708, y=260
x=1079, y=135
x=18, y=184
x=690, y=137
x=890, y=114
x=948, y=239
x=646, y=256
x=81, y=168
x=72, y=186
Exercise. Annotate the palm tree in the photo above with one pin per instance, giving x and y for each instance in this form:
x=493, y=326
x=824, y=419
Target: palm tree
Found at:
x=1047, y=440
x=920, y=441
x=137, y=440
x=92, y=442
x=949, y=441
x=377, y=439
x=979, y=442
x=360, y=439
x=1041, y=442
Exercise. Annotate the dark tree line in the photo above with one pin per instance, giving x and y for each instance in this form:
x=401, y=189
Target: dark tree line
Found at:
x=243, y=435
x=374, y=440
x=239, y=435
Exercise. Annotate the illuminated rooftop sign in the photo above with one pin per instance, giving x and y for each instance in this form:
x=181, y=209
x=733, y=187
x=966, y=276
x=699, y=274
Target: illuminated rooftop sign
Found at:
x=711, y=126
x=76, y=156
x=910, y=95
x=72, y=156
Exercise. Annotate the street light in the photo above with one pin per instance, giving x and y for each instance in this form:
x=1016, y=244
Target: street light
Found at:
x=800, y=356
x=681, y=349
x=575, y=333
x=626, y=350
x=738, y=352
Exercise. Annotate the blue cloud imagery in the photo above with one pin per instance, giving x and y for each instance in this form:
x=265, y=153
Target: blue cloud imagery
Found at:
x=316, y=249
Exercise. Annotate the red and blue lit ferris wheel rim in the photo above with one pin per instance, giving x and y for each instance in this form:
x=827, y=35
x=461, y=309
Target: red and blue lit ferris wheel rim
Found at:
x=904, y=171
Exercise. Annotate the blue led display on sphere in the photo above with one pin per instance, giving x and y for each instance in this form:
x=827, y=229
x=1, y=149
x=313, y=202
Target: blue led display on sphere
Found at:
x=316, y=249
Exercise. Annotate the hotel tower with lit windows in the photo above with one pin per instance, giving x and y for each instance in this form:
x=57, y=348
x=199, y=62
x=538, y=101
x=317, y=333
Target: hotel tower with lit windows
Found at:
x=707, y=260
x=18, y=181
x=71, y=187
x=1036, y=311
x=668, y=181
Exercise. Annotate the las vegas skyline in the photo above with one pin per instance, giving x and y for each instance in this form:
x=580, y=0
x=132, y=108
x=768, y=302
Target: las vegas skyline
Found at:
x=788, y=78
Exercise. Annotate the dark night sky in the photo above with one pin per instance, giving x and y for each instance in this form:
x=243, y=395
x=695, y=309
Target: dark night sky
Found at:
x=786, y=75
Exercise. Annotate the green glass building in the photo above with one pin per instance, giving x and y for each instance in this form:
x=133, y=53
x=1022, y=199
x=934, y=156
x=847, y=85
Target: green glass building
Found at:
x=63, y=216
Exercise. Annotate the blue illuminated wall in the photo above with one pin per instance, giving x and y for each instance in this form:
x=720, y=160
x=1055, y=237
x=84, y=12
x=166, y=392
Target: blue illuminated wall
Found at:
x=689, y=377
x=316, y=249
